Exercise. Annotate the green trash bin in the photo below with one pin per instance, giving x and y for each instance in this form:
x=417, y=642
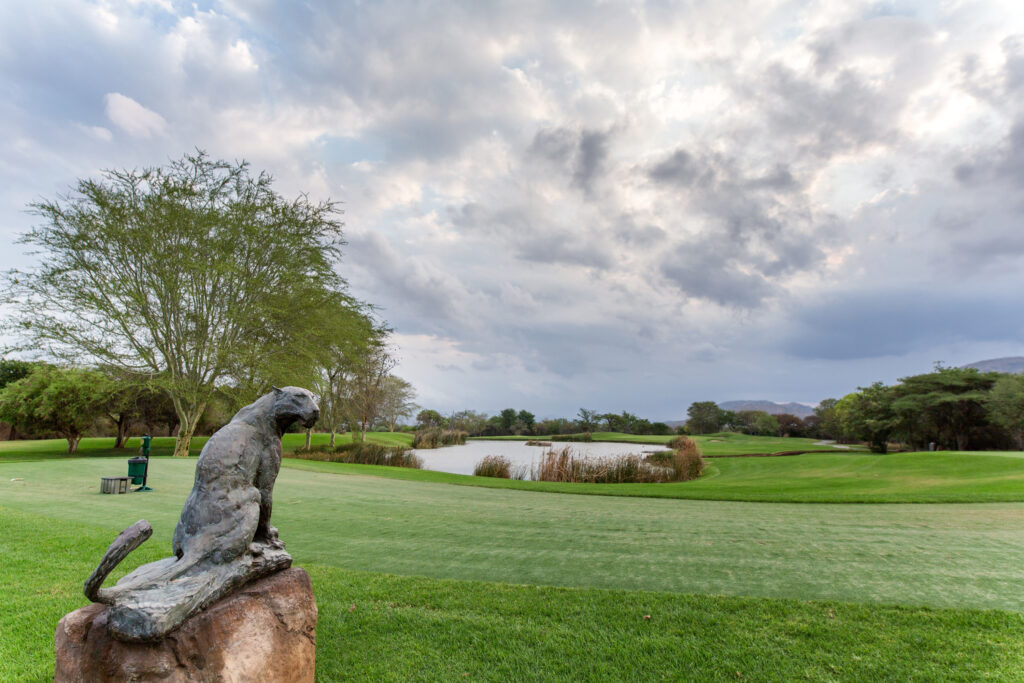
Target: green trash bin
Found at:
x=138, y=470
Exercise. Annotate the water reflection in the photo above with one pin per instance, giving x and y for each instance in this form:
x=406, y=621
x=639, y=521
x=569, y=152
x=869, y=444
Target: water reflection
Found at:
x=462, y=459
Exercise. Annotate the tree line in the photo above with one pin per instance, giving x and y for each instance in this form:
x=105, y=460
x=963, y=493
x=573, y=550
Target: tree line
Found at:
x=524, y=423
x=948, y=408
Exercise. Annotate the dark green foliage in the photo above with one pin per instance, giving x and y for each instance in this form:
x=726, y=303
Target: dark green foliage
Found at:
x=1005, y=405
x=704, y=417
x=54, y=400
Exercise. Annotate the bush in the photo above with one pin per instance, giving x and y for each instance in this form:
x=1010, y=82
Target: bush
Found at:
x=684, y=444
x=494, y=466
x=435, y=437
x=362, y=454
x=585, y=436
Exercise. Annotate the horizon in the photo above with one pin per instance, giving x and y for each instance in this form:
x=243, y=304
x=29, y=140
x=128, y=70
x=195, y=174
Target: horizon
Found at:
x=640, y=205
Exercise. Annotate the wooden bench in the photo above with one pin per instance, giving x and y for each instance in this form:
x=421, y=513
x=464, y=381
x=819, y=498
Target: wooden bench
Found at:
x=114, y=484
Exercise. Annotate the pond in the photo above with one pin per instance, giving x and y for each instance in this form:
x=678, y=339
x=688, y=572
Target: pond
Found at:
x=462, y=459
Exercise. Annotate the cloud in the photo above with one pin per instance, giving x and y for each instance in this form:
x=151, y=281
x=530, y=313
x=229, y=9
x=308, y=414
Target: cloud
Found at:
x=637, y=205
x=132, y=117
x=894, y=322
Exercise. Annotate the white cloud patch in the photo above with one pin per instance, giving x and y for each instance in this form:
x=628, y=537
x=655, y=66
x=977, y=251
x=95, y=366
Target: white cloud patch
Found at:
x=132, y=117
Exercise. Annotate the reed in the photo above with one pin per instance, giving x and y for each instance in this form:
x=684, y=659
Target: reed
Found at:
x=564, y=465
x=435, y=437
x=361, y=454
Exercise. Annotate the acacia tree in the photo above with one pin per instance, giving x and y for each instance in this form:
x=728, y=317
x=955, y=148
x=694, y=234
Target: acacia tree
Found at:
x=189, y=275
x=365, y=394
x=62, y=400
x=339, y=360
x=397, y=400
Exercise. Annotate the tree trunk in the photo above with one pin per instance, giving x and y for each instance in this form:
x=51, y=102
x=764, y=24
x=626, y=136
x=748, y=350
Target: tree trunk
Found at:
x=73, y=443
x=309, y=437
x=332, y=438
x=187, y=428
x=122, y=427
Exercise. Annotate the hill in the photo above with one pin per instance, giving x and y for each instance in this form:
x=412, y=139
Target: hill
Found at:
x=801, y=410
x=1011, y=364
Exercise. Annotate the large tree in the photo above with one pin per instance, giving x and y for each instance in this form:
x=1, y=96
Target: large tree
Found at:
x=704, y=417
x=947, y=405
x=190, y=275
x=397, y=400
x=868, y=415
x=339, y=360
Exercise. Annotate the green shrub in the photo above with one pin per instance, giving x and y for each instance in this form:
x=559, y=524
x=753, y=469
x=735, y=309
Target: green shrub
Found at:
x=494, y=466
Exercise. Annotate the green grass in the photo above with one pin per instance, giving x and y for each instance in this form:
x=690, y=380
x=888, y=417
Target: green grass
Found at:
x=404, y=575
x=946, y=477
x=936, y=555
x=46, y=449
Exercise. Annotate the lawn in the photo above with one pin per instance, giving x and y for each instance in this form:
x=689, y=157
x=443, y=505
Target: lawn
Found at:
x=419, y=562
x=381, y=627
x=946, y=477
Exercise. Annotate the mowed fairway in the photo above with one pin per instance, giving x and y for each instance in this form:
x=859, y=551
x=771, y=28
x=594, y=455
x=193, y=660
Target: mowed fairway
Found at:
x=968, y=555
x=527, y=585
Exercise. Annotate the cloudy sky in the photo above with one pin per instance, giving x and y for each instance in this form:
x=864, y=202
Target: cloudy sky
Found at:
x=614, y=205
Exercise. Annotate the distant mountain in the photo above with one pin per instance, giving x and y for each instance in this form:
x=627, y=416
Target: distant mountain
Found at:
x=801, y=410
x=1011, y=364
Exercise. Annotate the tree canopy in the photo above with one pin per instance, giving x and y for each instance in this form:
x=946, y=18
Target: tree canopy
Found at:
x=193, y=275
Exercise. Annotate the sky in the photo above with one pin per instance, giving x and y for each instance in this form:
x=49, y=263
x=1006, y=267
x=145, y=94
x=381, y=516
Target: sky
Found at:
x=611, y=205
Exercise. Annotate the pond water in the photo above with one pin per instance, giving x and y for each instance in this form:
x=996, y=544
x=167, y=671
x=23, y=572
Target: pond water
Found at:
x=462, y=459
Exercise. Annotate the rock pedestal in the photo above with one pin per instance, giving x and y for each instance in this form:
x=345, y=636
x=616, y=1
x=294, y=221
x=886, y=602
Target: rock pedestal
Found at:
x=265, y=631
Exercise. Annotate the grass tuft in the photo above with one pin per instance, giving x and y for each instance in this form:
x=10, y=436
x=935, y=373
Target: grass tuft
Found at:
x=500, y=467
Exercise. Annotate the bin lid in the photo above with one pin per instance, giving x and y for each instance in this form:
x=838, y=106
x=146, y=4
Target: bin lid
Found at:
x=136, y=460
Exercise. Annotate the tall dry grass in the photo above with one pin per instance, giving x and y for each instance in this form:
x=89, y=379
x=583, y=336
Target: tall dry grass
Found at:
x=585, y=436
x=564, y=465
x=501, y=467
x=361, y=454
x=435, y=437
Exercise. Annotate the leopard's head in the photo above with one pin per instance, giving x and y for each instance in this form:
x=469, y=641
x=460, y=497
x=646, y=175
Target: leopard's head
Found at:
x=293, y=404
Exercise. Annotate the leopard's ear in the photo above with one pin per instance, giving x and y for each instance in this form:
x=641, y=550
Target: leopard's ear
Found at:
x=278, y=391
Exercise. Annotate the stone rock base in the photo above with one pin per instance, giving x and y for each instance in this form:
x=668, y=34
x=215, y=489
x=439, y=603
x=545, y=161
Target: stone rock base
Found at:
x=265, y=631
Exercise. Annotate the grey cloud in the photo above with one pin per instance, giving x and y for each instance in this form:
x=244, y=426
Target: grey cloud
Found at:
x=706, y=271
x=645, y=236
x=761, y=219
x=870, y=324
x=580, y=154
x=564, y=248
